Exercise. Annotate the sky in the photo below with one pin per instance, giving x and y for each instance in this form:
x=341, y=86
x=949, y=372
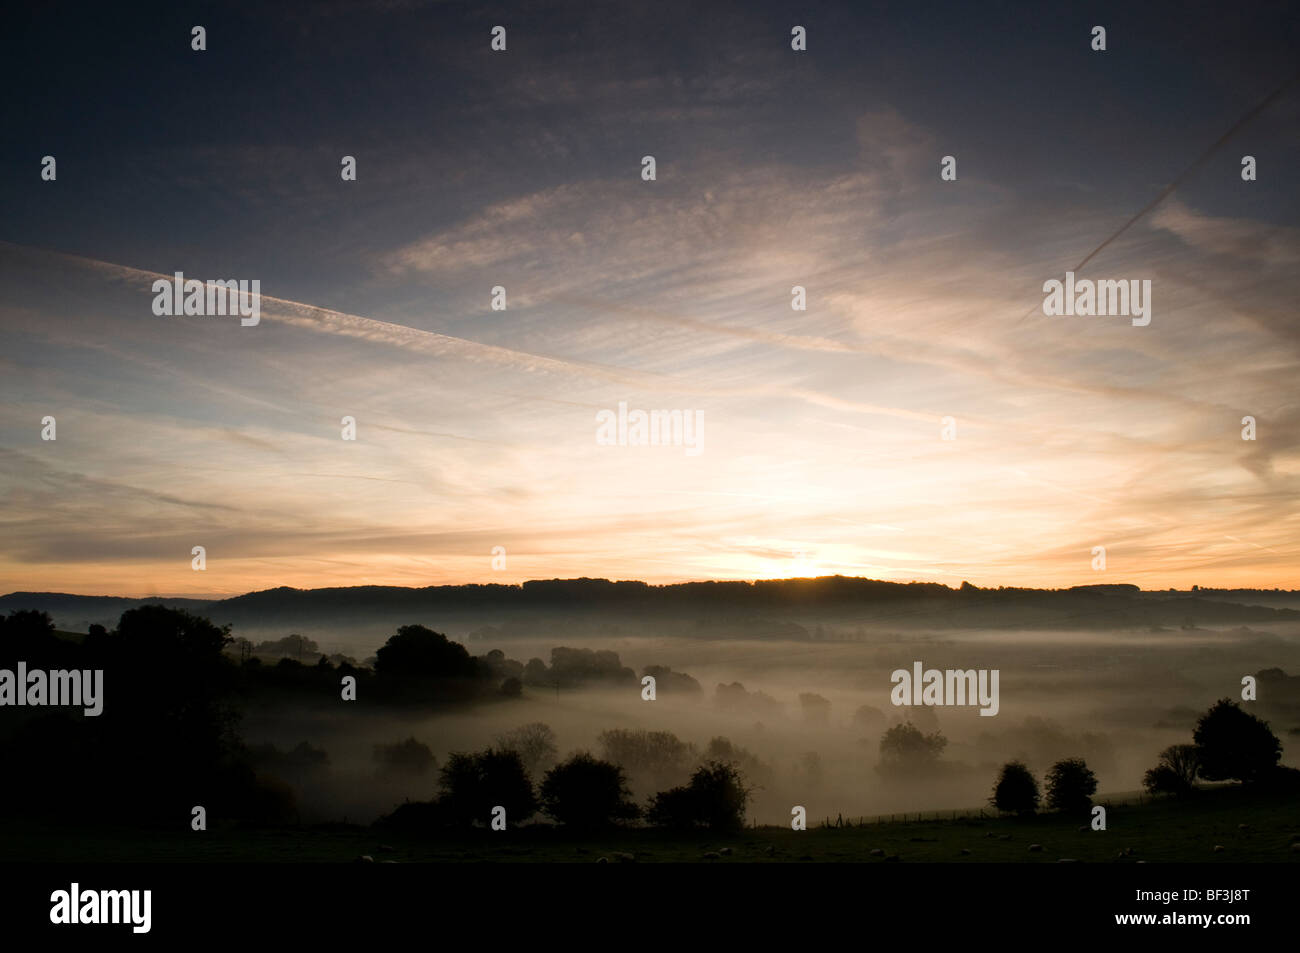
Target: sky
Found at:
x=822, y=447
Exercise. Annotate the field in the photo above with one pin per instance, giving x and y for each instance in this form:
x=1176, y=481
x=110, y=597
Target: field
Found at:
x=1249, y=826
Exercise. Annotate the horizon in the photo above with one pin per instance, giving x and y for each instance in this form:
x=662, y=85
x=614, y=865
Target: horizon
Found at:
x=210, y=597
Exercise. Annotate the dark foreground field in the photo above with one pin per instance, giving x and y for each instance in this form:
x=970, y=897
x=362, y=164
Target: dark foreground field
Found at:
x=1249, y=826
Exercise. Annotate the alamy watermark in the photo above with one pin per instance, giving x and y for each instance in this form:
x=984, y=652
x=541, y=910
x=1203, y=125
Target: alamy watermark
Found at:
x=655, y=428
x=947, y=687
x=184, y=295
x=74, y=906
x=1085, y=297
x=59, y=688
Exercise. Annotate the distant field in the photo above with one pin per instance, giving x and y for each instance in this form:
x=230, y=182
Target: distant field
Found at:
x=1160, y=832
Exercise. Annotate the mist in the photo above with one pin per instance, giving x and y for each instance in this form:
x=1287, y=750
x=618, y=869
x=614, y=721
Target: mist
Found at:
x=1114, y=698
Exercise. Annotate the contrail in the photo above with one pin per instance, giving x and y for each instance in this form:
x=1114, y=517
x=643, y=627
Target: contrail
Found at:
x=327, y=321
x=1201, y=160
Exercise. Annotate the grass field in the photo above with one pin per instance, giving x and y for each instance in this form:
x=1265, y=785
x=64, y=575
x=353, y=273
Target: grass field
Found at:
x=1159, y=832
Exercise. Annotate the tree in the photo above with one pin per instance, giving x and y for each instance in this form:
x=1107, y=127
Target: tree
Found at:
x=1070, y=786
x=27, y=622
x=29, y=635
x=161, y=637
x=1176, y=771
x=168, y=728
x=172, y=677
x=721, y=796
x=512, y=687
x=587, y=793
x=1234, y=744
x=716, y=798
x=417, y=652
x=534, y=743
x=570, y=667
x=1016, y=791
x=905, y=750
x=674, y=683
x=473, y=784
x=657, y=756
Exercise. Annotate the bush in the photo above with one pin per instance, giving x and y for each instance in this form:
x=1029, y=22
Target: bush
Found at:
x=674, y=808
x=1016, y=791
x=1176, y=772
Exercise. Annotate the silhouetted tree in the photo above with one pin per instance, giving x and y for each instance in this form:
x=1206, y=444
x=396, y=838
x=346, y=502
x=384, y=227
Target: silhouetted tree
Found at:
x=166, y=730
x=674, y=808
x=512, y=687
x=418, y=652
x=1016, y=791
x=1070, y=786
x=716, y=798
x=1176, y=771
x=28, y=635
x=473, y=784
x=1234, y=744
x=587, y=793
x=26, y=622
